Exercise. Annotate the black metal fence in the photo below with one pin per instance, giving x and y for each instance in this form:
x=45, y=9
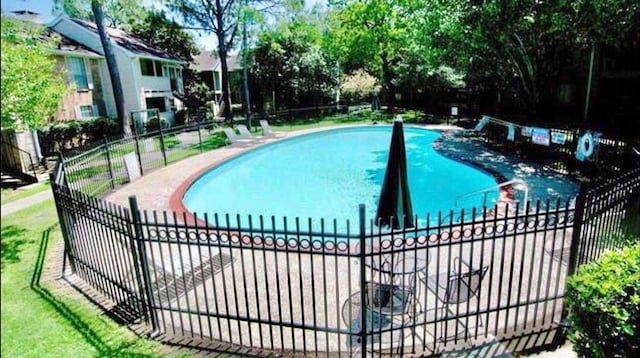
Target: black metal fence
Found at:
x=611, y=156
x=102, y=167
x=301, y=285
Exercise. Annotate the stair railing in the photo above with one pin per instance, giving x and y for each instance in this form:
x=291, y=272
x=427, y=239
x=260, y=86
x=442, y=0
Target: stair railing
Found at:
x=19, y=162
x=517, y=184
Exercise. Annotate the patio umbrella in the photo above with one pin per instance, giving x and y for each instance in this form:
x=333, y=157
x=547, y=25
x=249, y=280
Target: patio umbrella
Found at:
x=394, y=206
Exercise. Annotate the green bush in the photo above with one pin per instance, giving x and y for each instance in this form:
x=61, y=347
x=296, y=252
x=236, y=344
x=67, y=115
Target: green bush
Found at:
x=603, y=301
x=59, y=136
x=181, y=117
x=154, y=123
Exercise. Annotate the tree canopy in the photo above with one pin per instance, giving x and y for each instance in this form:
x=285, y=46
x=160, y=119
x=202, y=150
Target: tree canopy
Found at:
x=289, y=62
x=223, y=18
x=117, y=13
x=32, y=85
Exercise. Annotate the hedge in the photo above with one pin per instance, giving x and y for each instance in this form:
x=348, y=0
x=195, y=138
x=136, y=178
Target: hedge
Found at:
x=60, y=136
x=603, y=302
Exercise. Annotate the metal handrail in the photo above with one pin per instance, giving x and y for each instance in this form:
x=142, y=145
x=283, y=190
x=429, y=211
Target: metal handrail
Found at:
x=485, y=191
x=18, y=166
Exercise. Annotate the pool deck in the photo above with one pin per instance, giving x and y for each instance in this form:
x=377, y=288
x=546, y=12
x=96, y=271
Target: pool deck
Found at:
x=159, y=191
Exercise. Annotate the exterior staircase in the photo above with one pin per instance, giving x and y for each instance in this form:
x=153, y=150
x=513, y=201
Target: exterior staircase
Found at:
x=18, y=168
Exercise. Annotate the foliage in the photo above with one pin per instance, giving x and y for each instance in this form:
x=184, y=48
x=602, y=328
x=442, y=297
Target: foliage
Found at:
x=523, y=47
x=290, y=61
x=603, y=300
x=117, y=13
x=32, y=86
x=196, y=92
x=224, y=18
x=70, y=134
x=154, y=124
x=603, y=22
x=163, y=33
x=359, y=86
x=374, y=35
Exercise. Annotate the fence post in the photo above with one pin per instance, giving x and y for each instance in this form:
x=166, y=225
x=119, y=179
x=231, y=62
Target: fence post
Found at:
x=63, y=225
x=578, y=222
x=106, y=152
x=143, y=266
x=199, y=136
x=164, y=154
x=62, y=171
x=363, y=282
x=135, y=137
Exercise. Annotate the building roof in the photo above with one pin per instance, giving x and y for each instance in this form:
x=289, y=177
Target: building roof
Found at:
x=208, y=60
x=129, y=42
x=26, y=15
x=67, y=45
x=204, y=61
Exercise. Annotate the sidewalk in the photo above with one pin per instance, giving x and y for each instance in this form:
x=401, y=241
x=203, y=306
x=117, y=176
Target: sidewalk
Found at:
x=17, y=205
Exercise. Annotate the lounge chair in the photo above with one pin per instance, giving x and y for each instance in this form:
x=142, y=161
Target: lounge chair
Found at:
x=233, y=138
x=266, y=129
x=244, y=132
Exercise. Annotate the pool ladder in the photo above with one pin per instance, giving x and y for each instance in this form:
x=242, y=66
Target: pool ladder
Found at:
x=517, y=184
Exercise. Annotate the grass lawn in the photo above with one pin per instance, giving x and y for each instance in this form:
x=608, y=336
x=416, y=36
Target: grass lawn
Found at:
x=10, y=195
x=40, y=319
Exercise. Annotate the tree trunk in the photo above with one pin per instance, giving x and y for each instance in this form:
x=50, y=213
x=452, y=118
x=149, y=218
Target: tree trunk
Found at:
x=114, y=73
x=387, y=78
x=245, y=68
x=225, y=100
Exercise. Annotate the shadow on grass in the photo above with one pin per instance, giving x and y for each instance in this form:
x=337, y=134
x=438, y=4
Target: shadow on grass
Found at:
x=11, y=246
x=220, y=349
x=89, y=335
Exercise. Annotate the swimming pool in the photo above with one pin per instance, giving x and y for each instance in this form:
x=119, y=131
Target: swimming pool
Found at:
x=326, y=175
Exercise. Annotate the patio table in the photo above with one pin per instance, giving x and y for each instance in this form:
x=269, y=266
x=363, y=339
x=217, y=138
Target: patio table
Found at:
x=396, y=262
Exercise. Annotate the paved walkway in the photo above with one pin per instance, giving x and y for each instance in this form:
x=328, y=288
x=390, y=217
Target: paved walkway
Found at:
x=18, y=205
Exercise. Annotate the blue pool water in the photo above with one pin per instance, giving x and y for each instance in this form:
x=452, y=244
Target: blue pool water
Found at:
x=327, y=174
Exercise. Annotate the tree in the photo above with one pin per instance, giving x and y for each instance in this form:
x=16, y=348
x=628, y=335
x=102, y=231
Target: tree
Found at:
x=156, y=29
x=290, y=62
x=32, y=87
x=112, y=65
x=117, y=13
x=597, y=23
x=523, y=47
x=374, y=32
x=223, y=18
x=359, y=86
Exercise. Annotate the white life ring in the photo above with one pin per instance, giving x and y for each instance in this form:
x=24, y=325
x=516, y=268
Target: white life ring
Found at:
x=586, y=145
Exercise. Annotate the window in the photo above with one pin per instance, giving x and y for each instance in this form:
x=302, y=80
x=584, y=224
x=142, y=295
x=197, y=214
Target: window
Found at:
x=156, y=102
x=158, y=68
x=150, y=67
x=216, y=81
x=146, y=67
x=78, y=72
x=85, y=112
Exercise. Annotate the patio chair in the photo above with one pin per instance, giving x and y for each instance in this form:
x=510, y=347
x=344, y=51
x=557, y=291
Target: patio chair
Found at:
x=266, y=129
x=388, y=311
x=233, y=138
x=454, y=288
x=244, y=132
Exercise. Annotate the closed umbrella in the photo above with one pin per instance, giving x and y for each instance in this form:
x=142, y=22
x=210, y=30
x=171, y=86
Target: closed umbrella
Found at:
x=394, y=206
